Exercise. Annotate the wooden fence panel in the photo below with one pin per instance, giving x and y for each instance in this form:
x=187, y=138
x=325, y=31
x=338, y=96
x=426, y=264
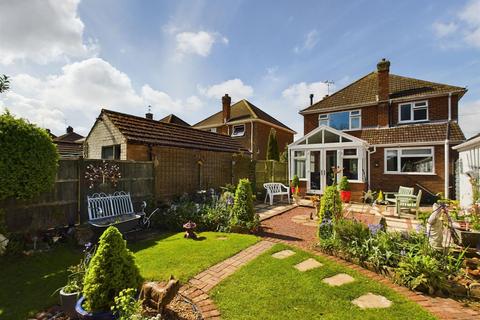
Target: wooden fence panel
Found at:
x=270, y=171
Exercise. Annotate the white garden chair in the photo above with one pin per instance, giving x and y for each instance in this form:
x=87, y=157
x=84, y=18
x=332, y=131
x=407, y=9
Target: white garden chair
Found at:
x=276, y=189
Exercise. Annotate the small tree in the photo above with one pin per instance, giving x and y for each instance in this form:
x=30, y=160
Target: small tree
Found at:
x=28, y=158
x=111, y=270
x=330, y=204
x=272, y=146
x=243, y=213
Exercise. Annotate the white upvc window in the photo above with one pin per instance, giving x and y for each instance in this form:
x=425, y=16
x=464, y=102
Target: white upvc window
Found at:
x=410, y=160
x=238, y=130
x=413, y=112
x=213, y=129
x=344, y=120
x=299, y=162
x=351, y=164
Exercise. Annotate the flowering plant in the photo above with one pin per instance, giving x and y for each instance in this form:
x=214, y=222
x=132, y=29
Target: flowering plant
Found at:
x=103, y=173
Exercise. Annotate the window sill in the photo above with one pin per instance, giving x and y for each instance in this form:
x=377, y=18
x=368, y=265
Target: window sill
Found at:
x=412, y=173
x=414, y=121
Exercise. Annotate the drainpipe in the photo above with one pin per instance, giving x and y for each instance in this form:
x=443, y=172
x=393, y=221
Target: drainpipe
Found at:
x=447, y=167
x=251, y=138
x=449, y=106
x=369, y=166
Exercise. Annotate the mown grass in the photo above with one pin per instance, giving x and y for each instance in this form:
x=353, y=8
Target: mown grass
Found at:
x=268, y=288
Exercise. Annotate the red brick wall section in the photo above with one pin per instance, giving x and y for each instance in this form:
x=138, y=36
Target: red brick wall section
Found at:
x=261, y=133
x=437, y=108
x=310, y=122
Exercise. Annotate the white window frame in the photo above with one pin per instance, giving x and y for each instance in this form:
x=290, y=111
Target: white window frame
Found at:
x=359, y=158
x=399, y=162
x=304, y=158
x=326, y=117
x=213, y=130
x=238, y=135
x=413, y=106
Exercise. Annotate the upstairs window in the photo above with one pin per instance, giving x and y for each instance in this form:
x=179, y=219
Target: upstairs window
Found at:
x=345, y=120
x=238, y=131
x=413, y=112
x=213, y=129
x=111, y=152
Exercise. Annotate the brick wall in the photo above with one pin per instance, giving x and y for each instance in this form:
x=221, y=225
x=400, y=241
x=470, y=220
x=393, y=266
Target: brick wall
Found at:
x=437, y=108
x=310, y=122
x=102, y=134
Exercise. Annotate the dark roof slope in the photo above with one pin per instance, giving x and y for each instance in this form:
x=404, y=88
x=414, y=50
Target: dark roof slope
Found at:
x=67, y=149
x=364, y=91
x=146, y=131
x=69, y=137
x=171, y=118
x=241, y=110
x=432, y=132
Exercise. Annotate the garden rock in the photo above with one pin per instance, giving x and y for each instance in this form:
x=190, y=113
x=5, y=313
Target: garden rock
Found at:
x=283, y=254
x=308, y=265
x=157, y=295
x=475, y=290
x=371, y=300
x=338, y=280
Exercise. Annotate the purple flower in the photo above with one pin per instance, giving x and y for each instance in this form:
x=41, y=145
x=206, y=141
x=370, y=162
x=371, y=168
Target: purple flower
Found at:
x=375, y=228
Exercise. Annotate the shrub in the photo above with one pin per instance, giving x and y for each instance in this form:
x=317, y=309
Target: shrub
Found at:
x=344, y=185
x=28, y=158
x=243, y=213
x=111, y=270
x=272, y=146
x=331, y=203
x=350, y=231
x=421, y=271
x=126, y=307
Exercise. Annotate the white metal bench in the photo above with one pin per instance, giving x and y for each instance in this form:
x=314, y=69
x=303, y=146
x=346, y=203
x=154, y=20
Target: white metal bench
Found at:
x=276, y=189
x=115, y=209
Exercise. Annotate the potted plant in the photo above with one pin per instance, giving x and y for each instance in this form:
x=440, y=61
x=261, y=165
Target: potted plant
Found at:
x=294, y=185
x=344, y=187
x=111, y=270
x=69, y=296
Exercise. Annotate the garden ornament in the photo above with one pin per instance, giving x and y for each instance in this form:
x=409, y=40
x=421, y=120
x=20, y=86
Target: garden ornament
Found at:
x=435, y=226
x=190, y=230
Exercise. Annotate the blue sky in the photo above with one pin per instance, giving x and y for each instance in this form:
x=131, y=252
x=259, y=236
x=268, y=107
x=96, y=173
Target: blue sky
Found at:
x=68, y=60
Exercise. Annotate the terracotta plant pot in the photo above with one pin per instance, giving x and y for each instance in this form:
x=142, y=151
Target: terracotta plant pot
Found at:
x=345, y=196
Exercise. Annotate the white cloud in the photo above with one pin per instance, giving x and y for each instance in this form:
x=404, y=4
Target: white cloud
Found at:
x=76, y=95
x=234, y=87
x=442, y=30
x=299, y=94
x=311, y=40
x=466, y=26
x=468, y=117
x=199, y=43
x=41, y=31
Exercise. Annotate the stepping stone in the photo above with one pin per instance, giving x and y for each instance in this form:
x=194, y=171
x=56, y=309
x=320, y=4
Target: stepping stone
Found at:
x=222, y=238
x=308, y=265
x=370, y=300
x=338, y=280
x=283, y=254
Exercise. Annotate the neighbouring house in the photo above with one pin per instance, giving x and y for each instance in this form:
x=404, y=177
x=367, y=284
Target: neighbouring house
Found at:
x=248, y=125
x=171, y=118
x=468, y=177
x=382, y=131
x=70, y=144
x=186, y=159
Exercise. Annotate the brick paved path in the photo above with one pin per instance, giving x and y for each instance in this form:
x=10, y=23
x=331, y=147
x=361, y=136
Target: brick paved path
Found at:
x=281, y=229
x=198, y=287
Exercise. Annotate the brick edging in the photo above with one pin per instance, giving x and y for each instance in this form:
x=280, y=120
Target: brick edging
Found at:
x=443, y=308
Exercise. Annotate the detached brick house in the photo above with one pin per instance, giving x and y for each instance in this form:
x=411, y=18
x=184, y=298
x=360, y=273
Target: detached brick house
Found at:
x=382, y=131
x=248, y=125
x=186, y=159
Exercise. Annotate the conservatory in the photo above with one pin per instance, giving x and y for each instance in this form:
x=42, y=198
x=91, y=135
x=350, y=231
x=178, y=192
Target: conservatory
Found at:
x=324, y=155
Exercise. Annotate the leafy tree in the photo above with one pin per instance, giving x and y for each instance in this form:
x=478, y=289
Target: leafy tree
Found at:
x=111, y=270
x=272, y=146
x=4, y=83
x=28, y=158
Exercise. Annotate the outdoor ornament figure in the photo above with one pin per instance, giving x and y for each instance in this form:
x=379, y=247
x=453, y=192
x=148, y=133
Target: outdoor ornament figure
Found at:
x=190, y=230
x=435, y=227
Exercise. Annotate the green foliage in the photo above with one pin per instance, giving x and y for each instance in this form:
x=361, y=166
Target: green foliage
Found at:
x=243, y=213
x=284, y=155
x=272, y=146
x=111, y=270
x=28, y=158
x=344, y=185
x=295, y=181
x=421, y=272
x=330, y=203
x=126, y=307
x=4, y=83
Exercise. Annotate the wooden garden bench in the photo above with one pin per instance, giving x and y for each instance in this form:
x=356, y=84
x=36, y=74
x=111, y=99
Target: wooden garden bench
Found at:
x=276, y=189
x=405, y=199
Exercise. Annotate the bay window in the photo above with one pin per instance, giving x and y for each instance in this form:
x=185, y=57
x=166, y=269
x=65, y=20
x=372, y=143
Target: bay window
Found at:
x=409, y=160
x=345, y=120
x=413, y=112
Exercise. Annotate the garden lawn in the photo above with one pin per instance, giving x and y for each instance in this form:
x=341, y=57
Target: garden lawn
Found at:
x=268, y=288
x=184, y=258
x=27, y=284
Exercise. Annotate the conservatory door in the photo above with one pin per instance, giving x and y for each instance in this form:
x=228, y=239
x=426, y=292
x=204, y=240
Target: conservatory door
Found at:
x=320, y=171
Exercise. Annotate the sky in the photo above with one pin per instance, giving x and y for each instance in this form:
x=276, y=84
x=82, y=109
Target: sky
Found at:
x=68, y=59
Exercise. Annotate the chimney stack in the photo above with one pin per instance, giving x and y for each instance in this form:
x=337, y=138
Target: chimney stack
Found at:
x=69, y=129
x=149, y=114
x=226, y=101
x=383, y=70
x=311, y=98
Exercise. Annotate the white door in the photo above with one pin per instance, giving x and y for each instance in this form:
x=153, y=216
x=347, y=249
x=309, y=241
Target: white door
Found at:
x=320, y=169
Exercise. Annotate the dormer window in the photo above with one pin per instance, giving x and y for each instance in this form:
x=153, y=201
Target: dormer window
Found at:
x=413, y=112
x=238, y=131
x=345, y=120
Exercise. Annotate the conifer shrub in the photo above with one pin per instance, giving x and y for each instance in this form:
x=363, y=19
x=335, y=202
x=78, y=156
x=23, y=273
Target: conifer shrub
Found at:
x=243, y=213
x=330, y=204
x=273, y=152
x=111, y=270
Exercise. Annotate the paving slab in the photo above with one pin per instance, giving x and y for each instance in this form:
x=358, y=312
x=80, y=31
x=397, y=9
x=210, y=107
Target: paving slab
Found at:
x=283, y=254
x=338, y=280
x=370, y=300
x=308, y=265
